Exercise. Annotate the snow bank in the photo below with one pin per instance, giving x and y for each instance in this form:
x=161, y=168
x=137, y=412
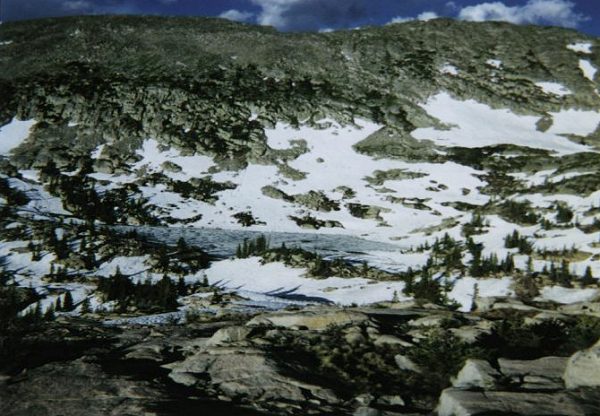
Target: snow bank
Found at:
x=475, y=125
x=13, y=134
x=250, y=276
x=582, y=47
x=554, y=88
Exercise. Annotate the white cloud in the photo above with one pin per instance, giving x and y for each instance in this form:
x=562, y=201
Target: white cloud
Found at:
x=425, y=16
x=76, y=5
x=237, y=15
x=452, y=5
x=273, y=11
x=557, y=12
x=312, y=14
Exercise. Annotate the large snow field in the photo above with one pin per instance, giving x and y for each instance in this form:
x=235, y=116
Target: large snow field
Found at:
x=153, y=158
x=331, y=163
x=473, y=124
x=41, y=202
x=250, y=275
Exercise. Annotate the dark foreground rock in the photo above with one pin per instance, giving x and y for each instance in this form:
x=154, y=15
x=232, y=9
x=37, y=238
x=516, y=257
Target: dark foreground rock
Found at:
x=320, y=360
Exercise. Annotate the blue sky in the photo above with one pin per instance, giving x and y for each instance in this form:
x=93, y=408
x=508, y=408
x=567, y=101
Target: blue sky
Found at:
x=312, y=15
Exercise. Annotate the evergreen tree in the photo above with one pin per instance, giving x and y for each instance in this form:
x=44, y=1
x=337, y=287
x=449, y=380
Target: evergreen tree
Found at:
x=526, y=287
x=475, y=296
x=588, y=277
x=182, y=246
x=85, y=306
x=181, y=287
x=508, y=265
x=36, y=314
x=163, y=259
x=529, y=267
x=564, y=276
x=564, y=214
x=217, y=297
x=49, y=314
x=68, y=302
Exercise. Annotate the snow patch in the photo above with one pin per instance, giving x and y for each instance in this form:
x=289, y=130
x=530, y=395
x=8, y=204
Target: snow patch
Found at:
x=153, y=159
x=589, y=70
x=581, y=47
x=554, y=88
x=496, y=63
x=567, y=295
x=464, y=289
x=13, y=134
x=449, y=69
x=476, y=125
x=250, y=275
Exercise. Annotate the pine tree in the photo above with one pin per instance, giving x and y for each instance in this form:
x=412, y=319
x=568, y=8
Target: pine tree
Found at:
x=37, y=313
x=68, y=302
x=564, y=275
x=588, y=277
x=49, y=315
x=395, y=297
x=182, y=246
x=508, y=265
x=217, y=297
x=529, y=267
x=85, y=306
x=181, y=287
x=58, y=305
x=475, y=296
x=365, y=269
x=526, y=287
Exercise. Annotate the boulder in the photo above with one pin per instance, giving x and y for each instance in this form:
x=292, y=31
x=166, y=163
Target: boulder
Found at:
x=245, y=374
x=454, y=402
x=75, y=388
x=429, y=321
x=581, y=308
x=391, y=340
x=229, y=335
x=476, y=374
x=405, y=363
x=541, y=374
x=391, y=401
x=312, y=320
x=583, y=368
x=470, y=333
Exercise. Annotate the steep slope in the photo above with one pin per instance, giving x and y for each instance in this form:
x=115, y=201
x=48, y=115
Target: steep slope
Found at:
x=473, y=147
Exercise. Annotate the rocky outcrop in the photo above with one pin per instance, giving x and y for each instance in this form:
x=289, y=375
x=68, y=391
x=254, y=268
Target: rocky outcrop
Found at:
x=312, y=320
x=523, y=387
x=249, y=375
x=476, y=374
x=454, y=402
x=583, y=368
x=74, y=388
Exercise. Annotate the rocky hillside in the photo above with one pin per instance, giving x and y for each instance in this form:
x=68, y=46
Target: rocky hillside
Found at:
x=156, y=173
